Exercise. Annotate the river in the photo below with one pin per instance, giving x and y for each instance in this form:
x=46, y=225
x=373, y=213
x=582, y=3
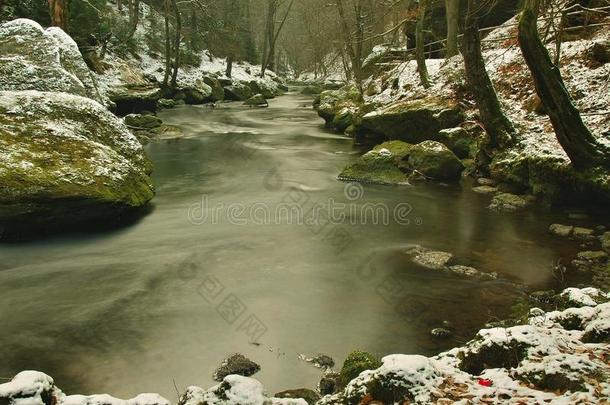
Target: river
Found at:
x=234, y=252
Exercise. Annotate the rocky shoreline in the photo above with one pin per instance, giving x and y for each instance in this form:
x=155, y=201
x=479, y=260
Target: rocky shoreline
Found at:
x=557, y=353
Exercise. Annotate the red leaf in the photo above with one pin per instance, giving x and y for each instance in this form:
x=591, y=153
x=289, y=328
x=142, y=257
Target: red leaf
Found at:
x=485, y=382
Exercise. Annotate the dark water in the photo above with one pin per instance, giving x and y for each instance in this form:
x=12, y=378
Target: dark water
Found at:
x=168, y=298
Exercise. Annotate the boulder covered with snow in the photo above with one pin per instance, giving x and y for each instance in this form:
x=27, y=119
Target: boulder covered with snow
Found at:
x=32, y=58
x=66, y=158
x=414, y=120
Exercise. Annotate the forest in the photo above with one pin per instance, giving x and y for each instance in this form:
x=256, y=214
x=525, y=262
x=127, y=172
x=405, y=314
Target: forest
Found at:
x=292, y=202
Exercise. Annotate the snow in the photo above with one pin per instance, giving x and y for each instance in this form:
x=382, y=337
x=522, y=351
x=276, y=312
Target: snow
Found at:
x=583, y=297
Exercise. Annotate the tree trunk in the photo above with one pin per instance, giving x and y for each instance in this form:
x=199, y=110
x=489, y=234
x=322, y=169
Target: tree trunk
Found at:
x=58, y=11
x=272, y=35
x=420, y=54
x=583, y=149
x=134, y=17
x=168, y=47
x=229, y=66
x=498, y=127
x=355, y=70
x=177, y=39
x=452, y=8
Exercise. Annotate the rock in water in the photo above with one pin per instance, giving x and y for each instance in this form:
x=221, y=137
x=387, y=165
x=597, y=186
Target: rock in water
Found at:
x=44, y=60
x=440, y=333
x=323, y=361
x=435, y=160
x=382, y=165
x=258, y=100
x=139, y=121
x=433, y=260
x=509, y=202
x=65, y=158
x=561, y=230
x=237, y=364
x=310, y=396
x=218, y=93
x=237, y=92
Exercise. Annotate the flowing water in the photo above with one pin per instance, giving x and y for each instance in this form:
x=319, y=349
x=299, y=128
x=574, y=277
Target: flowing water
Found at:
x=235, y=257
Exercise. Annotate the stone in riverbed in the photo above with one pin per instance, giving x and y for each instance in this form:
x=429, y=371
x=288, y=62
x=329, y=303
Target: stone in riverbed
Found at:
x=435, y=160
x=485, y=189
x=468, y=271
x=322, y=361
x=440, y=333
x=138, y=121
x=310, y=396
x=258, y=100
x=597, y=256
x=483, y=181
x=237, y=92
x=218, y=93
x=509, y=202
x=561, y=230
x=236, y=364
x=434, y=260
x=583, y=234
x=382, y=165
x=66, y=158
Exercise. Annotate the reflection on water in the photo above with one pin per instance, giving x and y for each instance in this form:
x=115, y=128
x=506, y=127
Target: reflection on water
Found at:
x=168, y=298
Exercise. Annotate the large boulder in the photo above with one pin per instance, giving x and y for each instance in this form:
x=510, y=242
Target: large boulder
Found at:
x=257, y=100
x=263, y=87
x=338, y=107
x=32, y=58
x=218, y=93
x=197, y=92
x=413, y=121
x=66, y=158
x=237, y=92
x=435, y=160
x=236, y=364
x=382, y=165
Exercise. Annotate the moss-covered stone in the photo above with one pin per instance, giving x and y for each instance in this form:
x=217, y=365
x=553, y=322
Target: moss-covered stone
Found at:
x=66, y=158
x=357, y=362
x=414, y=120
x=338, y=107
x=237, y=92
x=310, y=396
x=257, y=100
x=218, y=93
x=435, y=160
x=382, y=165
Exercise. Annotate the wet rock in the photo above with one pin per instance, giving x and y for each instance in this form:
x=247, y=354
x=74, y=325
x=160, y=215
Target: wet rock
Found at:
x=506, y=202
x=310, y=396
x=355, y=363
x=329, y=384
x=322, y=361
x=199, y=94
x=435, y=160
x=138, y=121
x=434, y=260
x=583, y=234
x=593, y=256
x=440, y=333
x=338, y=107
x=166, y=103
x=561, y=230
x=237, y=364
x=237, y=92
x=483, y=181
x=131, y=99
x=66, y=158
x=382, y=165
x=44, y=60
x=261, y=87
x=258, y=100
x=458, y=140
x=218, y=93
x=413, y=121
x=485, y=189
x=467, y=271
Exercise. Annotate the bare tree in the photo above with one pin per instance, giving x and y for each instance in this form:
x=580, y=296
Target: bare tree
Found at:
x=498, y=127
x=420, y=54
x=58, y=11
x=271, y=34
x=583, y=149
x=452, y=10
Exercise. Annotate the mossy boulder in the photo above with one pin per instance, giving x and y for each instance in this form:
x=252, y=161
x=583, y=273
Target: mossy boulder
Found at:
x=139, y=121
x=357, y=362
x=218, y=93
x=435, y=160
x=310, y=396
x=312, y=90
x=459, y=140
x=197, y=93
x=257, y=100
x=382, y=165
x=65, y=158
x=237, y=92
x=338, y=107
x=262, y=87
x=43, y=60
x=414, y=121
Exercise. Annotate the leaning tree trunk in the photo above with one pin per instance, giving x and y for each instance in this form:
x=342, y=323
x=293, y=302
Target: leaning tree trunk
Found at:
x=58, y=11
x=498, y=127
x=229, y=69
x=583, y=149
x=452, y=8
x=420, y=54
x=168, y=47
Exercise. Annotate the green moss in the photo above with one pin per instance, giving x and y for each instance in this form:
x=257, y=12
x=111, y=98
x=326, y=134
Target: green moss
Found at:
x=357, y=362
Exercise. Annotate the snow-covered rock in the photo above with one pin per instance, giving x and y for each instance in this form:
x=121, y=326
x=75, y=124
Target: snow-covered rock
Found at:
x=32, y=58
x=65, y=157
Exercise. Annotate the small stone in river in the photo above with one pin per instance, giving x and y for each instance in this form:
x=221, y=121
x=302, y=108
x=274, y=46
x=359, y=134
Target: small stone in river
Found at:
x=509, y=202
x=329, y=384
x=434, y=260
x=472, y=272
x=485, y=189
x=440, y=333
x=236, y=364
x=561, y=230
x=323, y=361
x=486, y=182
x=585, y=234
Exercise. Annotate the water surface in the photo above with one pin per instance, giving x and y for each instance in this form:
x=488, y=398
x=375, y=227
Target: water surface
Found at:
x=145, y=307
